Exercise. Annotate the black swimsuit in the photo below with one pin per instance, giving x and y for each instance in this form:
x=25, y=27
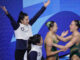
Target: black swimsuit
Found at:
x=75, y=50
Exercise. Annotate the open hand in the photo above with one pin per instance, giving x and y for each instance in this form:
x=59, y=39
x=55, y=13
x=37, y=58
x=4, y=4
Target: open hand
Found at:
x=64, y=33
x=47, y=3
x=4, y=9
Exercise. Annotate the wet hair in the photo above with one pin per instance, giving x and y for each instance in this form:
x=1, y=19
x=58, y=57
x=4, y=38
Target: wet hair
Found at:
x=33, y=40
x=50, y=24
x=21, y=16
x=77, y=23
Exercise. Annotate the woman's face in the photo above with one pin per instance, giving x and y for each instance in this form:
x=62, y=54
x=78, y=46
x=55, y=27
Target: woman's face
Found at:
x=25, y=21
x=73, y=26
x=54, y=28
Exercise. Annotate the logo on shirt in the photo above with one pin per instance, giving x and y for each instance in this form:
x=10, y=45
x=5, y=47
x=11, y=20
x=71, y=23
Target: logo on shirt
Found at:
x=39, y=54
x=25, y=29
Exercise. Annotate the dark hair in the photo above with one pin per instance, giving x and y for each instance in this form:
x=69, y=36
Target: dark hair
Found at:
x=77, y=23
x=21, y=16
x=33, y=40
x=50, y=24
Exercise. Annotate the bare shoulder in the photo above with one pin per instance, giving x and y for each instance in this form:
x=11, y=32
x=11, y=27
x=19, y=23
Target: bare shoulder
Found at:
x=77, y=34
x=48, y=38
x=47, y=35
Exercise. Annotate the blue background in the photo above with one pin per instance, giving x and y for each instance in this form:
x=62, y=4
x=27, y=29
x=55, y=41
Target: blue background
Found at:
x=60, y=11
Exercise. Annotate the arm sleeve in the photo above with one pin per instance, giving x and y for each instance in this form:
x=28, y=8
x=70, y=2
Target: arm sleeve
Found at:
x=33, y=55
x=14, y=24
x=38, y=14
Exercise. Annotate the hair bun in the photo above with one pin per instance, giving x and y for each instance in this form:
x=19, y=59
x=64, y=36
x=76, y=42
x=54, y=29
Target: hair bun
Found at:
x=48, y=24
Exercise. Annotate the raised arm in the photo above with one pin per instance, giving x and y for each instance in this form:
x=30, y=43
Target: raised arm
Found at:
x=13, y=22
x=39, y=13
x=64, y=39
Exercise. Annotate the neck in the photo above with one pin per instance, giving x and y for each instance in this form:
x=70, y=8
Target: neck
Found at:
x=75, y=31
x=24, y=24
x=52, y=32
